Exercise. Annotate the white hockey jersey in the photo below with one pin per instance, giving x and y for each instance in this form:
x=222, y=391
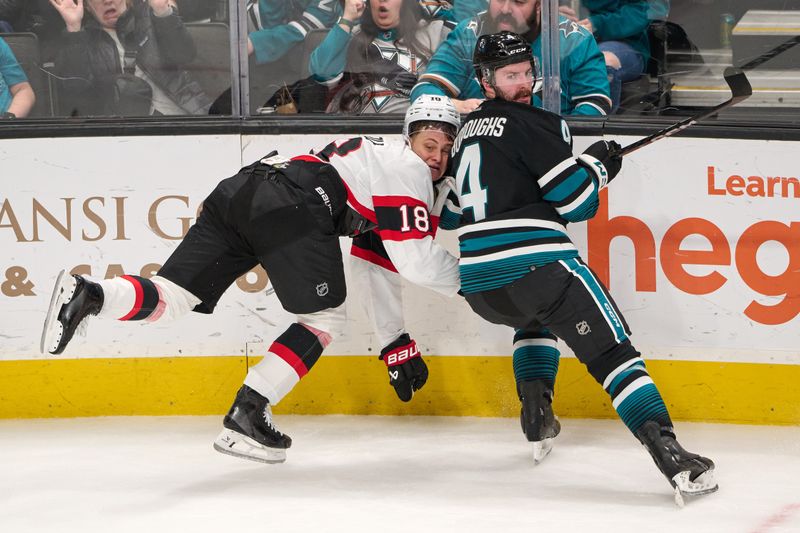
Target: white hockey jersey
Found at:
x=388, y=184
x=381, y=294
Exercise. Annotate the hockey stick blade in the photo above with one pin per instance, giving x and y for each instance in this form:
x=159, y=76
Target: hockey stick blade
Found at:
x=740, y=90
x=738, y=83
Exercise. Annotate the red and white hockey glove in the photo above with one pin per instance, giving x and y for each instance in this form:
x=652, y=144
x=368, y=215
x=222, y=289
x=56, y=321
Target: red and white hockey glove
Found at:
x=407, y=371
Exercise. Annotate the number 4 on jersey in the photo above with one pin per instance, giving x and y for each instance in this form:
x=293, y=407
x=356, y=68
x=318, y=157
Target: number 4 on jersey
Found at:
x=471, y=195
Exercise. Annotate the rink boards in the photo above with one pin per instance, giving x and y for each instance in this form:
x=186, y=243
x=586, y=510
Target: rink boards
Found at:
x=699, y=239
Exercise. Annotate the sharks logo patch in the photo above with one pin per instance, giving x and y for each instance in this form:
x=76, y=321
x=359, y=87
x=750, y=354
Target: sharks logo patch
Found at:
x=569, y=27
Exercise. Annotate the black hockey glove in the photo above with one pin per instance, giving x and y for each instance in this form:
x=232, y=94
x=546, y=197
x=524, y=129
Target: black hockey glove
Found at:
x=407, y=371
x=603, y=159
x=391, y=75
x=401, y=82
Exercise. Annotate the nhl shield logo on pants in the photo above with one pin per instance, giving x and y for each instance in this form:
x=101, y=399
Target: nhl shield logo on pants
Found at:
x=322, y=289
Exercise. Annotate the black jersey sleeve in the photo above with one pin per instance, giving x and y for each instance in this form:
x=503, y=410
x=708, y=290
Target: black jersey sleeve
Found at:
x=564, y=183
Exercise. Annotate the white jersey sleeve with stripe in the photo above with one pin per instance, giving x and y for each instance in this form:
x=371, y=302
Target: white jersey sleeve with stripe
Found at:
x=390, y=185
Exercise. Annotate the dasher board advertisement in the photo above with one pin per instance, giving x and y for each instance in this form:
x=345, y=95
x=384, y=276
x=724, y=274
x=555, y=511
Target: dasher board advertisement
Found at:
x=698, y=239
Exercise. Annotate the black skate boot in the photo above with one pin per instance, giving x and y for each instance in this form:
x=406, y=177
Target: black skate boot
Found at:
x=538, y=422
x=74, y=298
x=688, y=473
x=249, y=432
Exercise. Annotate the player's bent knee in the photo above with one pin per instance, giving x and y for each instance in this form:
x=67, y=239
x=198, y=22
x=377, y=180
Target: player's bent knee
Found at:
x=612, y=360
x=326, y=324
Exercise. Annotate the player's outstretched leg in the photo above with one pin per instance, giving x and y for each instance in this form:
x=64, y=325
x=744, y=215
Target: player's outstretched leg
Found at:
x=74, y=299
x=538, y=422
x=248, y=431
x=640, y=406
x=688, y=473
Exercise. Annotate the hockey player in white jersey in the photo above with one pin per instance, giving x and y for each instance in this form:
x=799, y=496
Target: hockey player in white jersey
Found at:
x=381, y=295
x=287, y=215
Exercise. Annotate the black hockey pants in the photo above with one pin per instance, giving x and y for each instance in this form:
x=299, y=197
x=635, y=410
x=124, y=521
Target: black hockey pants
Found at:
x=567, y=298
x=284, y=219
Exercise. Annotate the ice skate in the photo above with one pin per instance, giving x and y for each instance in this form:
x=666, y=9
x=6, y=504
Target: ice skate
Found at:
x=538, y=422
x=688, y=473
x=249, y=432
x=74, y=299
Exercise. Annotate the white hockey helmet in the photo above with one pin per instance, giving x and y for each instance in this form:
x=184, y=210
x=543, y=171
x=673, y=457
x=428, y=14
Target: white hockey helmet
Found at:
x=438, y=112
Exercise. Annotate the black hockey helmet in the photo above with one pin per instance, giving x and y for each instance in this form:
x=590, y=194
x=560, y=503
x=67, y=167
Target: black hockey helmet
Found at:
x=497, y=50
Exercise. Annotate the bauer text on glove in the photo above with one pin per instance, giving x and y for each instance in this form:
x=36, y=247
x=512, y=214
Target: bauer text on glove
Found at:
x=407, y=371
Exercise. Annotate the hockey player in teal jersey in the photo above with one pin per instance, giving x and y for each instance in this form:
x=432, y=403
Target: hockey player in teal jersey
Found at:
x=518, y=185
x=584, y=82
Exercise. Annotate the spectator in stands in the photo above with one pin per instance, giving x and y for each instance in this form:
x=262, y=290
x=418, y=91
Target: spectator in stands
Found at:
x=125, y=59
x=584, y=85
x=16, y=94
x=35, y=16
x=276, y=26
x=620, y=28
x=374, y=64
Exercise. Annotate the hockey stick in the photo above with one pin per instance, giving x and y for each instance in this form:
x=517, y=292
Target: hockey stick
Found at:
x=740, y=90
x=763, y=58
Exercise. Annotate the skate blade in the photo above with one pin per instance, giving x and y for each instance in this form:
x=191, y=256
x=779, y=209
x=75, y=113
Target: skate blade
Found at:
x=232, y=443
x=53, y=329
x=686, y=490
x=541, y=449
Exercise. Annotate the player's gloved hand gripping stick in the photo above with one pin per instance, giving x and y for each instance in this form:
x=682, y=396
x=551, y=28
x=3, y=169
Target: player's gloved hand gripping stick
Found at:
x=740, y=90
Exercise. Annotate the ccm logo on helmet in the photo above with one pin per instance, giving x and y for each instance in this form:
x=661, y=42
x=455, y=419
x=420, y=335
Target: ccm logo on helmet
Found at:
x=400, y=356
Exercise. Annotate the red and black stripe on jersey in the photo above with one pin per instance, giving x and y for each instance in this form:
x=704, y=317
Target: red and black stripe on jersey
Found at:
x=402, y=218
x=341, y=149
x=369, y=247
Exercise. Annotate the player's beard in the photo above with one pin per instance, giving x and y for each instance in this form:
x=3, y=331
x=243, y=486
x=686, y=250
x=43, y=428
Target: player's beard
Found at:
x=522, y=95
x=530, y=29
x=508, y=19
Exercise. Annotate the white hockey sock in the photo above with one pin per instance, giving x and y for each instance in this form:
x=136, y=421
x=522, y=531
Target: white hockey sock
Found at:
x=120, y=299
x=177, y=300
x=294, y=352
x=272, y=378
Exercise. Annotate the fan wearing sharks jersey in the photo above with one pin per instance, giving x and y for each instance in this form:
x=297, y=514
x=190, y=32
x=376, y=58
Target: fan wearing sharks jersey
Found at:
x=275, y=26
x=372, y=57
x=518, y=186
x=584, y=82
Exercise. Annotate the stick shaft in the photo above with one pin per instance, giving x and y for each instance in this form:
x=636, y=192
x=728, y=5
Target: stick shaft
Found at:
x=763, y=58
x=675, y=128
x=740, y=90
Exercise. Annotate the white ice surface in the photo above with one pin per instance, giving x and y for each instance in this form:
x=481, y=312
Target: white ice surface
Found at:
x=384, y=474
